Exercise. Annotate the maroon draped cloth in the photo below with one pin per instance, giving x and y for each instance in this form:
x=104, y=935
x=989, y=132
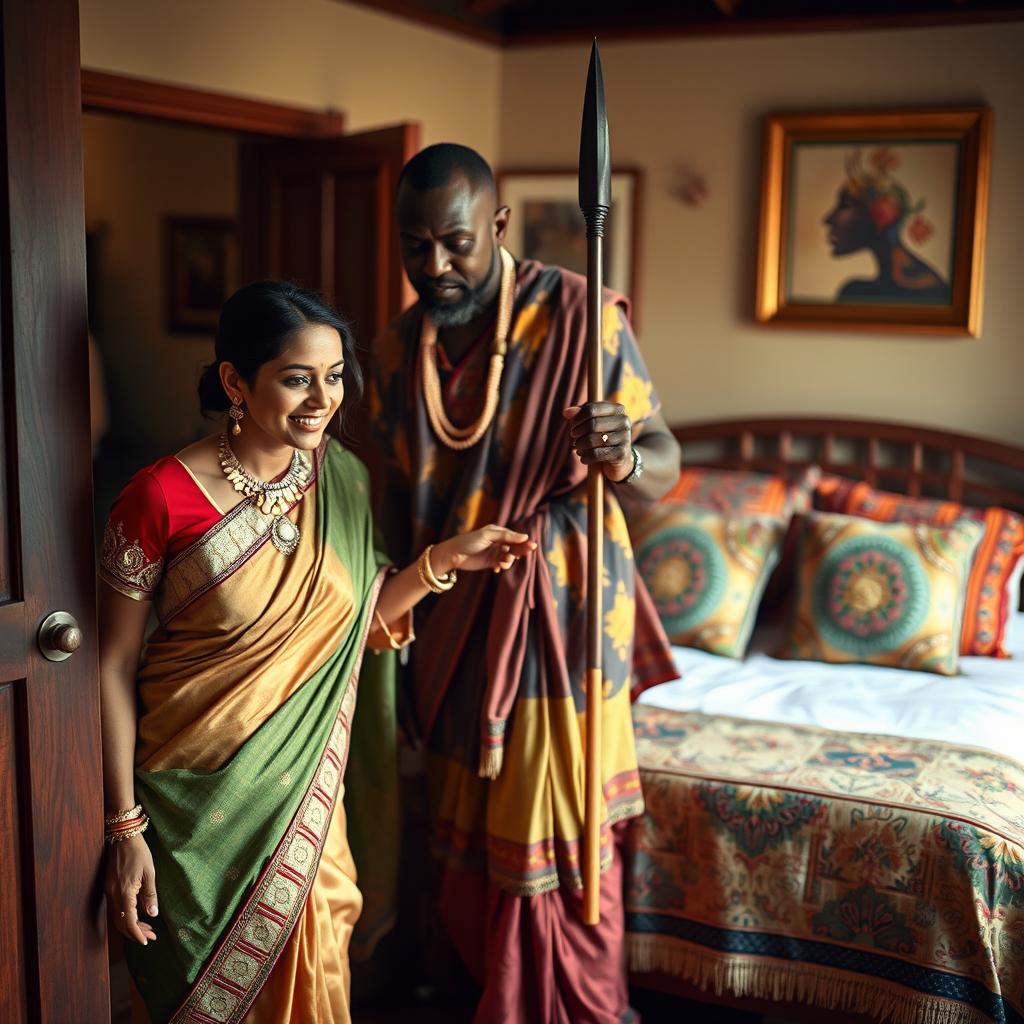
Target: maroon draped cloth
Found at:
x=499, y=666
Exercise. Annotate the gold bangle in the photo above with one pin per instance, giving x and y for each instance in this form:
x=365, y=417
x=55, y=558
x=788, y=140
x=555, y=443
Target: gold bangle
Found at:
x=435, y=584
x=396, y=645
x=130, y=833
x=132, y=812
x=447, y=581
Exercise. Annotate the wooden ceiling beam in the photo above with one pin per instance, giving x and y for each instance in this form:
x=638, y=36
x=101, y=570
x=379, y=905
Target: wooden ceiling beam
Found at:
x=725, y=17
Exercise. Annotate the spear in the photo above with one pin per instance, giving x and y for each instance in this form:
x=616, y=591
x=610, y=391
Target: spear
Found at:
x=595, y=201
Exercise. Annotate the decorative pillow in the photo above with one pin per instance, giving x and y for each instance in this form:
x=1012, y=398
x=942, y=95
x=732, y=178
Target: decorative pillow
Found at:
x=994, y=584
x=744, y=493
x=881, y=593
x=706, y=572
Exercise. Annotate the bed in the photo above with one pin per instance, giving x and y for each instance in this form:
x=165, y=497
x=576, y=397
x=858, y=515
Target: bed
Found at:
x=842, y=838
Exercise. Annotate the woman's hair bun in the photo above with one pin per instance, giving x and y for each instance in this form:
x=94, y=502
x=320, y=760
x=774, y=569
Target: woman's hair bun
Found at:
x=212, y=396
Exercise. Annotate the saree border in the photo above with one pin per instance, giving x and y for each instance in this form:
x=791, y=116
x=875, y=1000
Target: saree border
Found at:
x=240, y=965
x=221, y=551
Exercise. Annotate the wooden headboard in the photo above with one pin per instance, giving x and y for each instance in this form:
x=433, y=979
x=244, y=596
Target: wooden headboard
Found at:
x=897, y=457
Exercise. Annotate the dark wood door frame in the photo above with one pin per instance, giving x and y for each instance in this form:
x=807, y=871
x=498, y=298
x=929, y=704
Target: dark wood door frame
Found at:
x=53, y=957
x=160, y=101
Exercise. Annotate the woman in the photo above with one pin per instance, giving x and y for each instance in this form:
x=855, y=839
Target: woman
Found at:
x=871, y=212
x=225, y=740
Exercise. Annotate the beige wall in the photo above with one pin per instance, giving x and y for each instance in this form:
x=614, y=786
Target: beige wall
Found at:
x=698, y=103
x=136, y=173
x=375, y=68
x=673, y=104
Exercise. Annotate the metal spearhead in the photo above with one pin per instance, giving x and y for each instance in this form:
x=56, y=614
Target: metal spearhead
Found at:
x=595, y=152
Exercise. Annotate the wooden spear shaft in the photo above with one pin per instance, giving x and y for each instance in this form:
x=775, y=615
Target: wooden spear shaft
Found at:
x=595, y=201
x=594, y=796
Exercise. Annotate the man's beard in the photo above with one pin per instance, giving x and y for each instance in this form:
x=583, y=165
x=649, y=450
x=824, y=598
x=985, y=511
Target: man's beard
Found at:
x=454, y=314
x=469, y=305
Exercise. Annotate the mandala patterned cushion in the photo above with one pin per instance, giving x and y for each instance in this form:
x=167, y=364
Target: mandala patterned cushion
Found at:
x=881, y=593
x=743, y=493
x=706, y=572
x=993, y=589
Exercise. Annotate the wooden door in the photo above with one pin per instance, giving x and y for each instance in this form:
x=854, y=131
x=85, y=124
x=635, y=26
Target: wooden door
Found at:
x=320, y=212
x=52, y=940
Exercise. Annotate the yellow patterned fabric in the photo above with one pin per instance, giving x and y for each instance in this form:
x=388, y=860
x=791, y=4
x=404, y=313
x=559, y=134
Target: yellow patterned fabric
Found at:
x=706, y=572
x=881, y=593
x=858, y=873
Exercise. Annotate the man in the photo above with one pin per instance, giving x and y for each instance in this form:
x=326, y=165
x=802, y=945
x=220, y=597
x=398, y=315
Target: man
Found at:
x=478, y=404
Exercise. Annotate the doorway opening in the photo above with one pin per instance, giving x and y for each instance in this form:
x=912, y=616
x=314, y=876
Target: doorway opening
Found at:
x=189, y=194
x=162, y=209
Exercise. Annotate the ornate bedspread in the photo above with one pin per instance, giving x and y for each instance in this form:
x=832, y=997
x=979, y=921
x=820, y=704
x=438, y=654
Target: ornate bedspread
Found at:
x=866, y=873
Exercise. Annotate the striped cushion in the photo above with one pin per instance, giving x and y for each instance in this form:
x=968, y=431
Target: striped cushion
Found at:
x=994, y=583
x=738, y=492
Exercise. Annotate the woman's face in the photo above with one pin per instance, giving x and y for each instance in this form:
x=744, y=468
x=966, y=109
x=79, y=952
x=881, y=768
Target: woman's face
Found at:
x=295, y=395
x=850, y=227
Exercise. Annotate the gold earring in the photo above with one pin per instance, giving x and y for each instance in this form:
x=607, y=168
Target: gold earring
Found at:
x=236, y=413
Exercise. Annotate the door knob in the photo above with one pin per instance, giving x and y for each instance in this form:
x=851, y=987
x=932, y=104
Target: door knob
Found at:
x=59, y=636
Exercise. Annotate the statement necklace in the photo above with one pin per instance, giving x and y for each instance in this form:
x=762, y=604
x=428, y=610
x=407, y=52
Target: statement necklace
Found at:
x=272, y=499
x=461, y=438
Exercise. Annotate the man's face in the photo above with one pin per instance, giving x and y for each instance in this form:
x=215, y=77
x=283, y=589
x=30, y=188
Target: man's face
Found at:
x=449, y=241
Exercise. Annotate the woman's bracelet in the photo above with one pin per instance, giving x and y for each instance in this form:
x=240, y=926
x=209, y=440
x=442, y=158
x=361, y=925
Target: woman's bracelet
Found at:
x=395, y=644
x=115, y=819
x=121, y=834
x=435, y=584
x=125, y=824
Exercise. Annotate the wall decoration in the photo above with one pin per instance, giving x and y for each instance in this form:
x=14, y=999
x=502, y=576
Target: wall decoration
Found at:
x=202, y=271
x=875, y=221
x=547, y=225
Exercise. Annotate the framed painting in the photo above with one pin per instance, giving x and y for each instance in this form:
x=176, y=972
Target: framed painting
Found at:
x=875, y=221
x=201, y=272
x=547, y=225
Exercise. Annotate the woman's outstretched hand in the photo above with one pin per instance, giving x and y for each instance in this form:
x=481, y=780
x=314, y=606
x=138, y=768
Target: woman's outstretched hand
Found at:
x=131, y=888
x=491, y=547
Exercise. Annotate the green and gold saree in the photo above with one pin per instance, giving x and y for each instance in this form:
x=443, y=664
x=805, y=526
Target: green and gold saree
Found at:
x=247, y=693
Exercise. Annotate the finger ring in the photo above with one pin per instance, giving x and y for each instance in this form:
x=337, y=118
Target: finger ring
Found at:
x=604, y=439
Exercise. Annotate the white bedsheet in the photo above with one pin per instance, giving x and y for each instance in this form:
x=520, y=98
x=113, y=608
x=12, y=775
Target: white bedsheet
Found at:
x=982, y=707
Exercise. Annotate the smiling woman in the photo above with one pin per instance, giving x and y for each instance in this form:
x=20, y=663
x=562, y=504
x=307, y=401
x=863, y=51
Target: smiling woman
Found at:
x=226, y=739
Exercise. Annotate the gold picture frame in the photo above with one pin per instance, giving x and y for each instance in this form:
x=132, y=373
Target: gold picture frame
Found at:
x=900, y=198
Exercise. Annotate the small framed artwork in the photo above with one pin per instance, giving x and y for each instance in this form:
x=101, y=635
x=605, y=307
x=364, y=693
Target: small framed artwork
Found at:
x=875, y=221
x=202, y=271
x=547, y=225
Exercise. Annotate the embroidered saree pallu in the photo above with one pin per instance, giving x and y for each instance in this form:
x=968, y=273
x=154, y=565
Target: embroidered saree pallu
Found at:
x=246, y=695
x=870, y=874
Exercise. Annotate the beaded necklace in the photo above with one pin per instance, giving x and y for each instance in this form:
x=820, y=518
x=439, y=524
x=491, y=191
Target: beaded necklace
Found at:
x=461, y=438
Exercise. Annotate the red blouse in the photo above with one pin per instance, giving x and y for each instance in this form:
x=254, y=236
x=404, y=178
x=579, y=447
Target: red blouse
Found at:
x=161, y=511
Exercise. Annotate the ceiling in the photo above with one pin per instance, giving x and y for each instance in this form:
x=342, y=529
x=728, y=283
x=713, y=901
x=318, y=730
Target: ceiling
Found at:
x=523, y=22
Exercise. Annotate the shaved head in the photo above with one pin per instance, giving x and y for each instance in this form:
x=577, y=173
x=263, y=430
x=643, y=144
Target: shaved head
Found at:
x=436, y=166
x=451, y=229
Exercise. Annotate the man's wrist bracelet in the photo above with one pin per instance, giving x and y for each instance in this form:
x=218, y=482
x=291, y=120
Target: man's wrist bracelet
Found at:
x=638, y=468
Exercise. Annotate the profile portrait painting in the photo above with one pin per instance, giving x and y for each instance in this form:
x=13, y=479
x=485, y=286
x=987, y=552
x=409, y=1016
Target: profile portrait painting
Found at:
x=873, y=224
x=875, y=221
